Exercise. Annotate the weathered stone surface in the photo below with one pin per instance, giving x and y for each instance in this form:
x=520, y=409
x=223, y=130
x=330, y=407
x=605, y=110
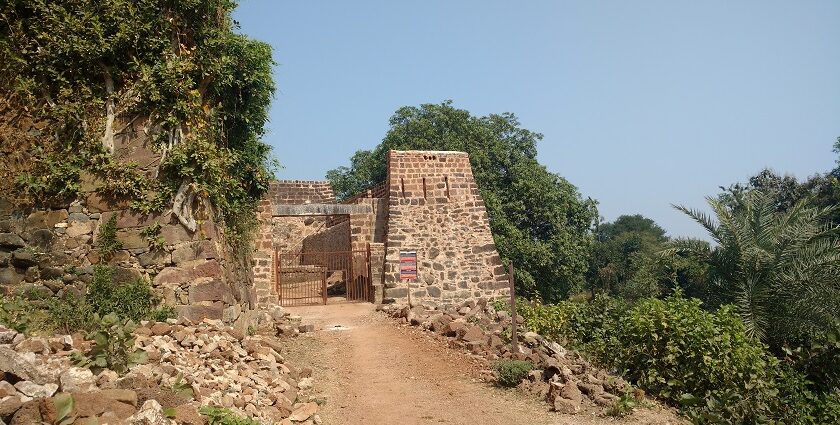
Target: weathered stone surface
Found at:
x=396, y=292
x=178, y=275
x=175, y=233
x=34, y=390
x=150, y=414
x=154, y=258
x=213, y=290
x=197, y=312
x=77, y=379
x=9, y=405
x=11, y=241
x=45, y=219
x=8, y=276
x=23, y=259
x=565, y=406
x=303, y=412
x=96, y=202
x=14, y=363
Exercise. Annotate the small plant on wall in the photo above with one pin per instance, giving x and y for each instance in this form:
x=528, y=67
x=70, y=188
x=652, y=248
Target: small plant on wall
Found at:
x=107, y=237
x=153, y=237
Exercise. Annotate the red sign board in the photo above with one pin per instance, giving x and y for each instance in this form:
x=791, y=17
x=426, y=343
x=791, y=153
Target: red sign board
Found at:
x=408, y=265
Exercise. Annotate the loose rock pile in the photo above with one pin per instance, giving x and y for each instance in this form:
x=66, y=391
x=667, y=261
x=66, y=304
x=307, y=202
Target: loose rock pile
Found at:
x=190, y=365
x=563, y=377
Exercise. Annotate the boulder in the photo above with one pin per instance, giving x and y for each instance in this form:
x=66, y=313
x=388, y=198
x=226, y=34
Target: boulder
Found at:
x=11, y=241
x=565, y=406
x=76, y=379
x=16, y=364
x=303, y=412
x=150, y=414
x=34, y=390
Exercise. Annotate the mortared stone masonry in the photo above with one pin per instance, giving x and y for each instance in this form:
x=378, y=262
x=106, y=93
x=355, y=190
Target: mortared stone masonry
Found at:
x=429, y=204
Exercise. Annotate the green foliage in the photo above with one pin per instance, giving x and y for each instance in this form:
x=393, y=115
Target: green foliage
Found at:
x=64, y=405
x=703, y=362
x=203, y=90
x=153, y=237
x=133, y=300
x=538, y=219
x=107, y=238
x=36, y=311
x=511, y=372
x=779, y=269
x=182, y=388
x=623, y=407
x=113, y=346
x=222, y=416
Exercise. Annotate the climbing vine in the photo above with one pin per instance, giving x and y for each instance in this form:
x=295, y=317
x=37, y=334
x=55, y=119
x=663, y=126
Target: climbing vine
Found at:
x=85, y=72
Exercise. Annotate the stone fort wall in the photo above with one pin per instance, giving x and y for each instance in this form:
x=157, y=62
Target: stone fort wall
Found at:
x=435, y=209
x=55, y=250
x=429, y=204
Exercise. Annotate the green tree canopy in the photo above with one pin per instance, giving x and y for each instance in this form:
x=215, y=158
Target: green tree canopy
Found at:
x=779, y=269
x=539, y=220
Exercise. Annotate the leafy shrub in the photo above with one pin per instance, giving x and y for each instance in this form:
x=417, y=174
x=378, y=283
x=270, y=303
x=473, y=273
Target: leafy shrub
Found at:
x=132, y=300
x=36, y=311
x=703, y=362
x=107, y=238
x=113, y=346
x=511, y=372
x=221, y=416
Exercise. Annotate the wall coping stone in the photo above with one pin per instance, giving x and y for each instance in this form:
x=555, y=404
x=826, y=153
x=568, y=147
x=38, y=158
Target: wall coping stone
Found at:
x=320, y=209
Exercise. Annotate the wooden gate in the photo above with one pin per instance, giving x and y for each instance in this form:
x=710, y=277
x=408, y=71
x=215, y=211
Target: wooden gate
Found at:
x=305, y=278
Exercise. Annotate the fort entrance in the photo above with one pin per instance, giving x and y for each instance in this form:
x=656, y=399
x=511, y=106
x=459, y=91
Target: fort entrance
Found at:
x=312, y=248
x=319, y=277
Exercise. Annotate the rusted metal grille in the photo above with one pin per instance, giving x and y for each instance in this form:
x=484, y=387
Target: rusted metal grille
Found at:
x=305, y=278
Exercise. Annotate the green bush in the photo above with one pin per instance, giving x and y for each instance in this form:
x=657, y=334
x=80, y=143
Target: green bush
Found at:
x=222, y=416
x=511, y=372
x=703, y=361
x=700, y=361
x=113, y=346
x=35, y=311
x=107, y=238
x=131, y=300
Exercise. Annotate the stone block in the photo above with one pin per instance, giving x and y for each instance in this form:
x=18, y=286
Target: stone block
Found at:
x=11, y=241
x=178, y=275
x=96, y=202
x=175, y=233
x=396, y=292
x=42, y=238
x=132, y=238
x=154, y=258
x=210, y=291
x=196, y=313
x=45, y=219
x=23, y=259
x=9, y=277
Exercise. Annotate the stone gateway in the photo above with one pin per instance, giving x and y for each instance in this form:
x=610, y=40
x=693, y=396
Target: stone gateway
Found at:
x=429, y=205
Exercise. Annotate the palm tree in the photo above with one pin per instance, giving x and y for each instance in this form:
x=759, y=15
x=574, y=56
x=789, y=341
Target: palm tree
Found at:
x=779, y=269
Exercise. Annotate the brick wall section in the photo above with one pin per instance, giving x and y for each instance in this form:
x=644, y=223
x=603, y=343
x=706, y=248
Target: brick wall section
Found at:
x=296, y=192
x=436, y=209
x=262, y=263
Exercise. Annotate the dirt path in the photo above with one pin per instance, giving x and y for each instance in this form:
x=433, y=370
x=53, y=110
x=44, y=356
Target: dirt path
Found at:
x=369, y=370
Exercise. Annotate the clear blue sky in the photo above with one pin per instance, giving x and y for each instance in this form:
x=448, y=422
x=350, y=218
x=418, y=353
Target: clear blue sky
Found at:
x=642, y=103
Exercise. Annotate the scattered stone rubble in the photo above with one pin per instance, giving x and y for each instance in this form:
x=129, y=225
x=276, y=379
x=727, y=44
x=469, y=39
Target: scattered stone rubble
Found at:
x=221, y=366
x=562, y=377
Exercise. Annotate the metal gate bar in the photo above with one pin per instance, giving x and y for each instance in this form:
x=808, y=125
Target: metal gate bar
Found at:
x=305, y=278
